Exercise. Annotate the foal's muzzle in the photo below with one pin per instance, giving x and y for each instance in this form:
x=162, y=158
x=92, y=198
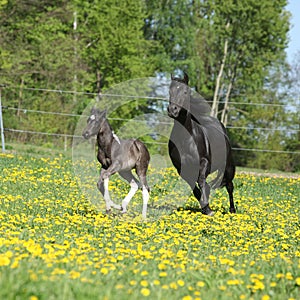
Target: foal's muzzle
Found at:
x=85, y=135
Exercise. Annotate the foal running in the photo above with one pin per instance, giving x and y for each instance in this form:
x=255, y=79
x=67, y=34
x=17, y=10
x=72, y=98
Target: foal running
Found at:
x=118, y=155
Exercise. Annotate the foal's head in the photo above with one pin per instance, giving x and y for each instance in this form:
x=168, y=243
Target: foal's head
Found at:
x=94, y=123
x=179, y=102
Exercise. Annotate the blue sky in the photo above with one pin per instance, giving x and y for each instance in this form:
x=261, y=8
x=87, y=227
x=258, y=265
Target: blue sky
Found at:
x=294, y=34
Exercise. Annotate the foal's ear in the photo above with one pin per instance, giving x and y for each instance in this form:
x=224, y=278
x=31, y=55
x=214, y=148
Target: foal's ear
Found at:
x=102, y=114
x=186, y=78
x=172, y=76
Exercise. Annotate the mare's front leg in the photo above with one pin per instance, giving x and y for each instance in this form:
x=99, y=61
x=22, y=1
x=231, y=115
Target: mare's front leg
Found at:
x=205, y=188
x=229, y=187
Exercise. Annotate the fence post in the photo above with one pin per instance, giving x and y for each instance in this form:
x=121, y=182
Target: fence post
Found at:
x=1, y=124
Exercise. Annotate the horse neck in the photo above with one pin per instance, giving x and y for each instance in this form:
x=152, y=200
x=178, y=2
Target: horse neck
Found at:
x=105, y=138
x=186, y=121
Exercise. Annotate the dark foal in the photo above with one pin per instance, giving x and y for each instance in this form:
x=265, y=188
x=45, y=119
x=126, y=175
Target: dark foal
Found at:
x=118, y=155
x=198, y=145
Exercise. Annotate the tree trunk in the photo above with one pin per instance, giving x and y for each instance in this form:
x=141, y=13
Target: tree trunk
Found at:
x=215, y=104
x=224, y=117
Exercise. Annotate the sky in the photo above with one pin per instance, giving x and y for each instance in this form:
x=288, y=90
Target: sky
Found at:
x=294, y=34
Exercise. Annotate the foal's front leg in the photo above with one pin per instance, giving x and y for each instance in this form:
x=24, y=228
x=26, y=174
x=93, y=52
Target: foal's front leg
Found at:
x=103, y=187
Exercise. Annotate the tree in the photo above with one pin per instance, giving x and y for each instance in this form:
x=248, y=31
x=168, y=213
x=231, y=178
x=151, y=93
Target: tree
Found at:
x=111, y=34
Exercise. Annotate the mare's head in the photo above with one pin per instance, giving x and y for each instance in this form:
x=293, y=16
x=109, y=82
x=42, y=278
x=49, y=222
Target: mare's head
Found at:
x=94, y=123
x=179, y=101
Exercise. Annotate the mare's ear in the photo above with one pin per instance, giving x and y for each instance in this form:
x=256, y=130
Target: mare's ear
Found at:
x=186, y=78
x=172, y=76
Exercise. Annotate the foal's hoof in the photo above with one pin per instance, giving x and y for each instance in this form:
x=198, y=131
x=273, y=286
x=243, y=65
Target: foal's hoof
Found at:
x=123, y=211
x=207, y=211
x=108, y=211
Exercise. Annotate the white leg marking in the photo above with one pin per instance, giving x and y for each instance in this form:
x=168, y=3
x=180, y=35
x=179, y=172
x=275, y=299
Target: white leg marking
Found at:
x=108, y=201
x=133, y=188
x=106, y=194
x=145, y=201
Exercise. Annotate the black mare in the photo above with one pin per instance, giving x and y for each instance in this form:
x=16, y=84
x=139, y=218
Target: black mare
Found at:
x=198, y=144
x=118, y=155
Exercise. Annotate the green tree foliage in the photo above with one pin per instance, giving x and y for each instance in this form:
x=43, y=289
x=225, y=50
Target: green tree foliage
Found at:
x=113, y=44
x=232, y=50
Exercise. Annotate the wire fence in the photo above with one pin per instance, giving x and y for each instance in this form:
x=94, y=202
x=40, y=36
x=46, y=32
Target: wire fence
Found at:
x=67, y=136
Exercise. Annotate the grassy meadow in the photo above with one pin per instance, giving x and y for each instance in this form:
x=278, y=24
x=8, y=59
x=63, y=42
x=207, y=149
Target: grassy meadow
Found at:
x=55, y=243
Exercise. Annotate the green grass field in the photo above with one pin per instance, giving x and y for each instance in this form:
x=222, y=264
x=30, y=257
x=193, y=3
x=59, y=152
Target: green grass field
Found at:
x=55, y=243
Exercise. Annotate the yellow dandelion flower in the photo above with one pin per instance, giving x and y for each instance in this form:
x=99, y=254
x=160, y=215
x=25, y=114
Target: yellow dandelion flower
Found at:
x=15, y=264
x=119, y=286
x=298, y=281
x=265, y=297
x=144, y=273
x=4, y=260
x=162, y=266
x=173, y=285
x=74, y=274
x=133, y=282
x=180, y=282
x=200, y=283
x=144, y=283
x=145, y=292
x=234, y=282
x=187, y=297
x=104, y=271
x=156, y=282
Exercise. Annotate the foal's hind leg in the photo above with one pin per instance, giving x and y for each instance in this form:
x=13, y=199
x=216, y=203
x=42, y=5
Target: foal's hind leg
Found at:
x=141, y=170
x=229, y=187
x=134, y=186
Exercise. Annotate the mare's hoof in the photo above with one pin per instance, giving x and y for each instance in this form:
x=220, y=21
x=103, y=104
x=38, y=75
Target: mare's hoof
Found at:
x=206, y=210
x=232, y=210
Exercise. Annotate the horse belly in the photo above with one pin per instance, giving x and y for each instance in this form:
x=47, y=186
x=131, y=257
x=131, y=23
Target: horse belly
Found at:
x=185, y=158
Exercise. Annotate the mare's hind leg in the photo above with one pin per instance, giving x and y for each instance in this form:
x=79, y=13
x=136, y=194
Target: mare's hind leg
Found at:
x=134, y=186
x=103, y=188
x=229, y=187
x=205, y=189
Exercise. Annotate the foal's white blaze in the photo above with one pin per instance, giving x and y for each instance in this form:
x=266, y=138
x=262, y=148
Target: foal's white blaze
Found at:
x=145, y=201
x=133, y=188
